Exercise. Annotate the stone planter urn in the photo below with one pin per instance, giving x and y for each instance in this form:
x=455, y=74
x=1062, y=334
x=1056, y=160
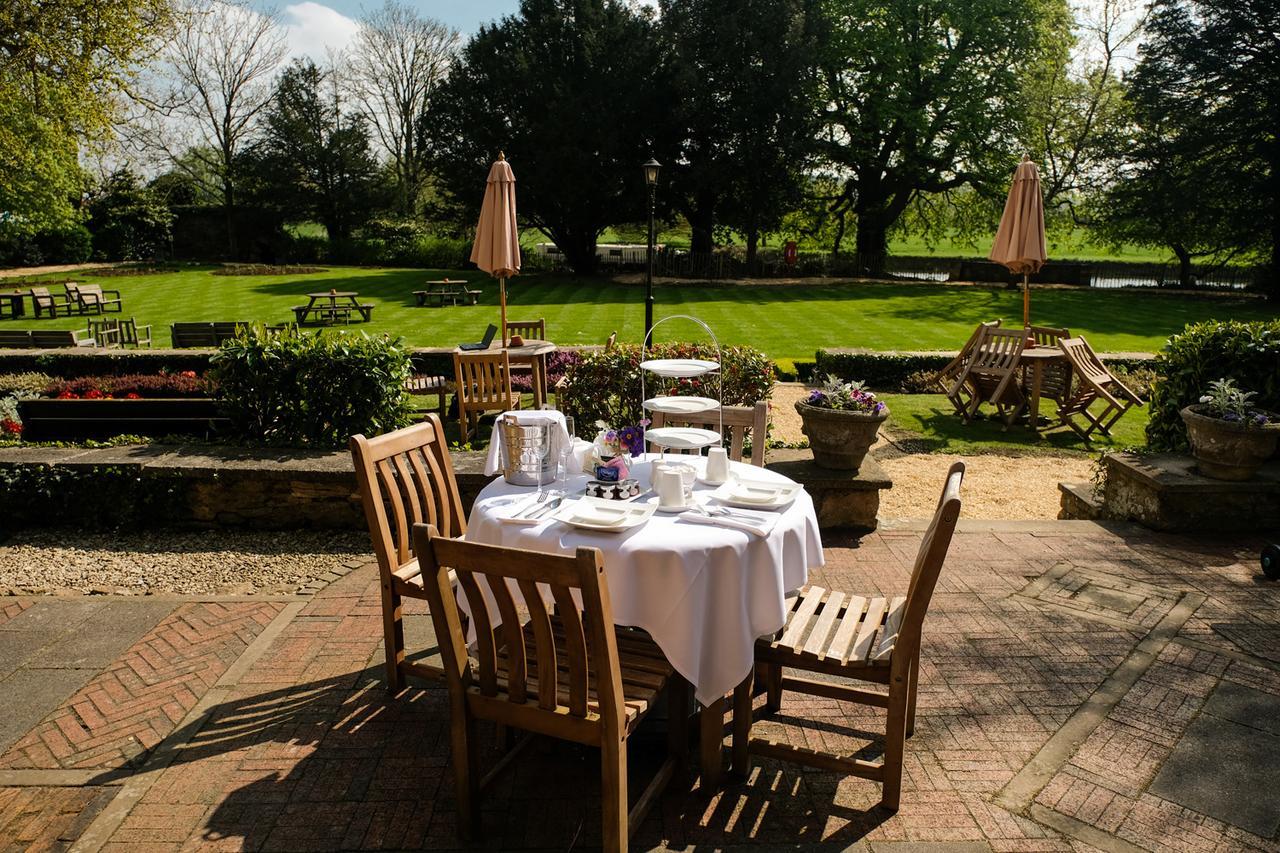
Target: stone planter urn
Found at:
x=1228, y=450
x=838, y=439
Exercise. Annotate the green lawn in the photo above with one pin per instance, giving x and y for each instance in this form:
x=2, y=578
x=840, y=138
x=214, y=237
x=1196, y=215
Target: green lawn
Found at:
x=930, y=424
x=784, y=321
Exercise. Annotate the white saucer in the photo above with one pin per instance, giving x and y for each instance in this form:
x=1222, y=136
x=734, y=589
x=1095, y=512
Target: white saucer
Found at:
x=704, y=481
x=681, y=508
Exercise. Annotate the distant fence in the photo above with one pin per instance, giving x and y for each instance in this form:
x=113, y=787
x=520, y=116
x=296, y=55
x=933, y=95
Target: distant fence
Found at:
x=677, y=263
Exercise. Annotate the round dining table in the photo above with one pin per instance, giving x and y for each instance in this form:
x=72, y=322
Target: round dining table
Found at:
x=703, y=592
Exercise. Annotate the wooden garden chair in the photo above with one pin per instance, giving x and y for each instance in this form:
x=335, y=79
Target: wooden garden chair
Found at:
x=1094, y=382
x=568, y=674
x=867, y=638
x=529, y=330
x=405, y=477
x=738, y=422
x=483, y=384
x=45, y=302
x=93, y=298
x=992, y=373
x=946, y=379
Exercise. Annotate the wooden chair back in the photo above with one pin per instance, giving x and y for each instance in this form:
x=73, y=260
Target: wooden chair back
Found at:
x=90, y=294
x=483, y=384
x=1047, y=336
x=948, y=375
x=526, y=690
x=739, y=421
x=535, y=330
x=1094, y=374
x=42, y=299
x=995, y=361
x=1055, y=377
x=405, y=478
x=929, y=560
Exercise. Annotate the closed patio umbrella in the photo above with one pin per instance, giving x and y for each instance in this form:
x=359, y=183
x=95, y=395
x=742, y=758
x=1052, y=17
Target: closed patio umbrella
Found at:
x=1019, y=244
x=497, y=245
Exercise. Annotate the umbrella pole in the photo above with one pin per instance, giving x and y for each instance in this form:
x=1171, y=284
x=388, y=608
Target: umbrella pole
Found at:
x=502, y=303
x=1026, y=301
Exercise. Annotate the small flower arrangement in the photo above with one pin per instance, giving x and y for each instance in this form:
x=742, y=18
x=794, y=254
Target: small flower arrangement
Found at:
x=845, y=397
x=614, y=442
x=1229, y=402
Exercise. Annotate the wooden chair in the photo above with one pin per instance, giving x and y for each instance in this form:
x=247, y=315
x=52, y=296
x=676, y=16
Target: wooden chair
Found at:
x=483, y=384
x=93, y=298
x=111, y=332
x=530, y=330
x=991, y=375
x=738, y=421
x=45, y=302
x=405, y=477
x=947, y=381
x=571, y=675
x=1094, y=382
x=865, y=638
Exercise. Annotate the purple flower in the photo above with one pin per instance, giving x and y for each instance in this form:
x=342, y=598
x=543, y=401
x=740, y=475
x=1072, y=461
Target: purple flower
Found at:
x=816, y=397
x=611, y=435
x=1231, y=416
x=1261, y=419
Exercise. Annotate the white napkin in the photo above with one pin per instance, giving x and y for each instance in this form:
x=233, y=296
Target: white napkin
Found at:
x=763, y=527
x=560, y=441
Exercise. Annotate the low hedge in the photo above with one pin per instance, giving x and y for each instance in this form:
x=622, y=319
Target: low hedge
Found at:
x=890, y=371
x=1249, y=353
x=72, y=363
x=605, y=384
x=183, y=385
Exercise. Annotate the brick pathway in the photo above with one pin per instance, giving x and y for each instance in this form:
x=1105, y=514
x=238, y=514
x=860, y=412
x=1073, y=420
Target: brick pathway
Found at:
x=1063, y=664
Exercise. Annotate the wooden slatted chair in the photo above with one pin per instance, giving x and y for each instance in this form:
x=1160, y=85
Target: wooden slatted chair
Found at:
x=571, y=675
x=483, y=384
x=92, y=298
x=947, y=379
x=992, y=375
x=738, y=421
x=530, y=330
x=866, y=638
x=45, y=302
x=405, y=477
x=1094, y=383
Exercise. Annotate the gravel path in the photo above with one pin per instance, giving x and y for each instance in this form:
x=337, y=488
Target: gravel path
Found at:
x=221, y=562
x=996, y=486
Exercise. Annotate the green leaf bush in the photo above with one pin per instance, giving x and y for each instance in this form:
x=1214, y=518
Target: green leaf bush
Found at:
x=313, y=391
x=605, y=384
x=1249, y=353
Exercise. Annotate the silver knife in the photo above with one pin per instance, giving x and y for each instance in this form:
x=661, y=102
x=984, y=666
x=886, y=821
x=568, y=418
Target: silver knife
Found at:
x=551, y=504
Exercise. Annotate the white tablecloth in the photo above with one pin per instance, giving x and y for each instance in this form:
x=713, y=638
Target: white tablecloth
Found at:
x=703, y=593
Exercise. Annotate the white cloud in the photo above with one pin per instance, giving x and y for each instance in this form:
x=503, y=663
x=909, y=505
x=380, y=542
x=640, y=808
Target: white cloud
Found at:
x=314, y=29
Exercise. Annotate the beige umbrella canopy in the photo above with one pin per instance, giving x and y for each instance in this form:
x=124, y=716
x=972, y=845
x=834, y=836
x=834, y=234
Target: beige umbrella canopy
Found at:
x=1019, y=244
x=497, y=246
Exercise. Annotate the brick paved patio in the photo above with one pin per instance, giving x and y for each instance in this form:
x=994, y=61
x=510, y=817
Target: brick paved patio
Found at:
x=1068, y=671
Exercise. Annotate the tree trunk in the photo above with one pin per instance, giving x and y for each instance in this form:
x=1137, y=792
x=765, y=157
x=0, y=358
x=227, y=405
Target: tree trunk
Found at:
x=1185, y=279
x=1271, y=277
x=872, y=240
x=579, y=249
x=753, y=243
x=229, y=211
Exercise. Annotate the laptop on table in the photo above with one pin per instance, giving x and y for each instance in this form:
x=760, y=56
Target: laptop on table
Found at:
x=484, y=344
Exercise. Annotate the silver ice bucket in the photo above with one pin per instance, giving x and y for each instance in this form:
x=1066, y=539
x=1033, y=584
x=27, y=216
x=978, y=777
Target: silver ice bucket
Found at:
x=525, y=452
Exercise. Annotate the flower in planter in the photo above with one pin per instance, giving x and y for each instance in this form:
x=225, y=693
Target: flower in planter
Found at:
x=1230, y=403
x=68, y=395
x=11, y=428
x=132, y=396
x=845, y=397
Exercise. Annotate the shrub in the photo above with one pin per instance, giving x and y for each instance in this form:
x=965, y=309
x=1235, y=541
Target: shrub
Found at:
x=558, y=364
x=311, y=390
x=605, y=385
x=1249, y=353
x=24, y=384
x=919, y=382
x=185, y=384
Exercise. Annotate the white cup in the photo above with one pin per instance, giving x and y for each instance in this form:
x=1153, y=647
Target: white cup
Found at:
x=717, y=465
x=670, y=488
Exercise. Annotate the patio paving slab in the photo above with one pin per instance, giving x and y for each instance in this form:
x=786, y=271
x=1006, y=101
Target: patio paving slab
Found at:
x=1075, y=660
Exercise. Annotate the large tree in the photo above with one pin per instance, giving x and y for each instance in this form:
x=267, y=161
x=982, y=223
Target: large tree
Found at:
x=314, y=157
x=743, y=110
x=398, y=59
x=1203, y=172
x=215, y=83
x=924, y=97
x=566, y=89
x=63, y=68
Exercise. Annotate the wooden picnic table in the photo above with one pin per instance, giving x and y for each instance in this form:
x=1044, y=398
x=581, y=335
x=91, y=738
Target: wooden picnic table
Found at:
x=533, y=353
x=330, y=306
x=11, y=303
x=453, y=290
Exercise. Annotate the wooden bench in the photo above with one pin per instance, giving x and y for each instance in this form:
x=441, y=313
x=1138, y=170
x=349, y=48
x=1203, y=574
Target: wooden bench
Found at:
x=43, y=339
x=203, y=335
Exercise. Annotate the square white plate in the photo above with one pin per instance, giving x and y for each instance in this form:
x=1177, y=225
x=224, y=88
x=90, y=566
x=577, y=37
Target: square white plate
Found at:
x=757, y=494
x=603, y=514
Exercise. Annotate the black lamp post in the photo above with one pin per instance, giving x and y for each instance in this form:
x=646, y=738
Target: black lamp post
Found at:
x=651, y=178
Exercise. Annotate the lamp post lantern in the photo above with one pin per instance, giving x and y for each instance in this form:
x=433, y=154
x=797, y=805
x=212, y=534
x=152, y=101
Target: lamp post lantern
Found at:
x=651, y=179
